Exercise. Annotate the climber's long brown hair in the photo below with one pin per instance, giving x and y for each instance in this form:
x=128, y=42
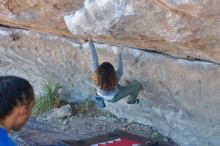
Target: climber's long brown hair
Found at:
x=105, y=76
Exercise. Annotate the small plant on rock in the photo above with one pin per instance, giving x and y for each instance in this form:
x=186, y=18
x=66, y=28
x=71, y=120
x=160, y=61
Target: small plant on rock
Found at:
x=51, y=98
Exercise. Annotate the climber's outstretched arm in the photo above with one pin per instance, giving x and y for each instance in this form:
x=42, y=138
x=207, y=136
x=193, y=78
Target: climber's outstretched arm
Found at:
x=94, y=57
x=120, y=64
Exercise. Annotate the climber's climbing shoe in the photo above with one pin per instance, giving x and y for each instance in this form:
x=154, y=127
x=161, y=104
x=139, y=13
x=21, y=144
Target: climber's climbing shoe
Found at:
x=133, y=101
x=100, y=103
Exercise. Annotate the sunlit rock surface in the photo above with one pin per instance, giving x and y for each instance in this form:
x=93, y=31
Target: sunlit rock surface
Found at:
x=38, y=15
x=178, y=27
x=183, y=28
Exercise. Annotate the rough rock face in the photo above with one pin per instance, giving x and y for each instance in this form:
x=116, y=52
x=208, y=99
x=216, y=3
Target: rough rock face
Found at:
x=38, y=15
x=180, y=98
x=183, y=28
x=40, y=58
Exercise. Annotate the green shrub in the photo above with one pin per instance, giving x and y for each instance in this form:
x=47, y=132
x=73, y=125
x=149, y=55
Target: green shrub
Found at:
x=51, y=98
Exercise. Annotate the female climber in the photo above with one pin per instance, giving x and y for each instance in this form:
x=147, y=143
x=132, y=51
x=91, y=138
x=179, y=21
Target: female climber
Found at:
x=107, y=80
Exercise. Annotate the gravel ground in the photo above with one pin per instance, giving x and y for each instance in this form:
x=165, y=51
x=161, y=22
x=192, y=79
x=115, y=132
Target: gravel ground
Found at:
x=82, y=125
